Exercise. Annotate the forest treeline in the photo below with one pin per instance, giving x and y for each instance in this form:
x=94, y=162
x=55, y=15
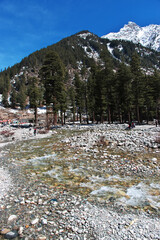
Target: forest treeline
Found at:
x=98, y=93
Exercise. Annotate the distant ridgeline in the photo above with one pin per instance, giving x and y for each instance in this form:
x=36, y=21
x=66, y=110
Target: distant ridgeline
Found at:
x=85, y=77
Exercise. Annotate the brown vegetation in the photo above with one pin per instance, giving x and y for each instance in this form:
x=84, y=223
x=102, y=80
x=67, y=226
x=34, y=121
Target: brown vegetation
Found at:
x=7, y=133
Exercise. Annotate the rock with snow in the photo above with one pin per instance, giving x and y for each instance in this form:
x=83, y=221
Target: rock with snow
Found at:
x=148, y=36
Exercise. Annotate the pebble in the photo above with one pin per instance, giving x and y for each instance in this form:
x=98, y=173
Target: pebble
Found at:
x=44, y=221
x=11, y=235
x=154, y=159
x=12, y=218
x=41, y=238
x=35, y=221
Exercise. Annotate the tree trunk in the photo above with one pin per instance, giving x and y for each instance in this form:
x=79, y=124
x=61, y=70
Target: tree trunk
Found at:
x=129, y=117
x=73, y=114
x=55, y=119
x=62, y=118
x=109, y=115
x=47, y=120
x=138, y=115
x=86, y=103
x=35, y=116
x=77, y=116
x=93, y=120
x=80, y=118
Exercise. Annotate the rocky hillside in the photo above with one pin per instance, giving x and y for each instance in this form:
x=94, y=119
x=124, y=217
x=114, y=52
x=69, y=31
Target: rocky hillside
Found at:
x=82, y=50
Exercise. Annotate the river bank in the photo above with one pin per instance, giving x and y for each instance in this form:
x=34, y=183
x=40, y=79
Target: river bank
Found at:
x=32, y=209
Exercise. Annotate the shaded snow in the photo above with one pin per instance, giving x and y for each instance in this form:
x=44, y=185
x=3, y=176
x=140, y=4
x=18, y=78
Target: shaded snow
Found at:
x=92, y=53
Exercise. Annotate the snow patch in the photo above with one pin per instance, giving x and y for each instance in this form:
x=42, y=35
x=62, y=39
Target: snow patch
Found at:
x=91, y=53
x=84, y=35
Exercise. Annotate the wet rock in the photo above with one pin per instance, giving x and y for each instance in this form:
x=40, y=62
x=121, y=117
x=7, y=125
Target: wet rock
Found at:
x=11, y=235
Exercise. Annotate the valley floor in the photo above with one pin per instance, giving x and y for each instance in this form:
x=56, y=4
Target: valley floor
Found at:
x=32, y=209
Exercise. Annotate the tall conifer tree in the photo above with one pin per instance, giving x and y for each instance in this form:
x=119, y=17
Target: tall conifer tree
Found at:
x=137, y=86
x=124, y=93
x=52, y=73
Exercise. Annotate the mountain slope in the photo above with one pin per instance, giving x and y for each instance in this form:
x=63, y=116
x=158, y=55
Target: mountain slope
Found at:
x=148, y=36
x=81, y=51
x=85, y=48
x=95, y=79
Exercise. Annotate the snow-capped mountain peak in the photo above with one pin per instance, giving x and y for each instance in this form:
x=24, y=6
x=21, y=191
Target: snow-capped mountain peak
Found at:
x=148, y=36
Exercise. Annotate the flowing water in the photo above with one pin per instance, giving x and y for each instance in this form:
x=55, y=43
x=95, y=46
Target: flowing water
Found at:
x=99, y=175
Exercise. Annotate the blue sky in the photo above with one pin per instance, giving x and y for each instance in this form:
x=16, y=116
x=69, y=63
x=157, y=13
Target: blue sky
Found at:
x=29, y=25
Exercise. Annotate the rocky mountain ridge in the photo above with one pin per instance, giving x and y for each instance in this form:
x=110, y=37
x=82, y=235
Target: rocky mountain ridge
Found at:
x=148, y=36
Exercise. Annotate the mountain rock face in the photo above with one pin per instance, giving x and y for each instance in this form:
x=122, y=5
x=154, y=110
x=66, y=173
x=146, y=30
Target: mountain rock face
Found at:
x=148, y=36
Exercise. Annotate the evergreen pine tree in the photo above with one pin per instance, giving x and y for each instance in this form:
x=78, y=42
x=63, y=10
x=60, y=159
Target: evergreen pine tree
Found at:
x=13, y=98
x=5, y=98
x=91, y=92
x=35, y=94
x=80, y=96
x=110, y=88
x=124, y=93
x=137, y=86
x=100, y=96
x=52, y=74
x=72, y=97
x=22, y=96
x=155, y=85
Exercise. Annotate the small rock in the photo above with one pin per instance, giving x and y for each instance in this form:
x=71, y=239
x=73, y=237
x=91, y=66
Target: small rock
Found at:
x=41, y=237
x=44, y=221
x=35, y=221
x=20, y=230
x=40, y=201
x=154, y=159
x=11, y=235
x=12, y=218
x=22, y=202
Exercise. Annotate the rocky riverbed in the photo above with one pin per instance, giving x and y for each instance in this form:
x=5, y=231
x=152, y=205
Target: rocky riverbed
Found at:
x=81, y=183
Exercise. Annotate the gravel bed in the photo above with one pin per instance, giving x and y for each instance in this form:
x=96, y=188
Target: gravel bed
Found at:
x=37, y=211
x=5, y=182
x=118, y=136
x=30, y=209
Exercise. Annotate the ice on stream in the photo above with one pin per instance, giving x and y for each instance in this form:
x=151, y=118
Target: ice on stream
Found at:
x=41, y=160
x=104, y=190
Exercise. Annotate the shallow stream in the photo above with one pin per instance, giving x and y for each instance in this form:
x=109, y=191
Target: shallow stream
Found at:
x=103, y=175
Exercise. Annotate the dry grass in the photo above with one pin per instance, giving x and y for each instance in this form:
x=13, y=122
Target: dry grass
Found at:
x=42, y=131
x=7, y=133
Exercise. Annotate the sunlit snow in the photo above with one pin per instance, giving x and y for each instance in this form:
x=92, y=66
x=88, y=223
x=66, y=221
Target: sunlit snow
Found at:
x=148, y=36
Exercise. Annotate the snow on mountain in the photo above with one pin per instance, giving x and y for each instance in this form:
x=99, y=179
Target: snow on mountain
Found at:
x=85, y=35
x=148, y=36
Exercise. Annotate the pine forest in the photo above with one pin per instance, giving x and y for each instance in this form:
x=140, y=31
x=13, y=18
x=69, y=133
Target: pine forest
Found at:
x=79, y=76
